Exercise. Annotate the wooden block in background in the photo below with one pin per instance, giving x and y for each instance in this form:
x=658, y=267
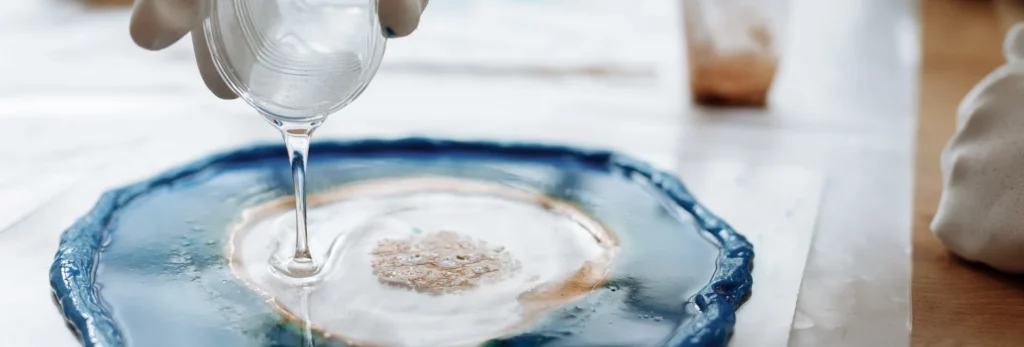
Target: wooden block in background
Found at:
x=1009, y=12
x=956, y=303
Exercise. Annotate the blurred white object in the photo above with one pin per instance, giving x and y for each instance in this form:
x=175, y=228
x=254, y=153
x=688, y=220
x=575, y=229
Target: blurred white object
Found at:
x=981, y=213
x=157, y=24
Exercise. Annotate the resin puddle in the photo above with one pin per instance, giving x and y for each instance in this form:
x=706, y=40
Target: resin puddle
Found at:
x=425, y=261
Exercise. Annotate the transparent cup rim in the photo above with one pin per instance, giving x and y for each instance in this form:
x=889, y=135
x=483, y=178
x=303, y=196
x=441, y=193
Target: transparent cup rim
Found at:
x=214, y=40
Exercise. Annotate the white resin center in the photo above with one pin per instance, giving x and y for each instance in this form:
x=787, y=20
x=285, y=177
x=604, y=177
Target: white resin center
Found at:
x=427, y=261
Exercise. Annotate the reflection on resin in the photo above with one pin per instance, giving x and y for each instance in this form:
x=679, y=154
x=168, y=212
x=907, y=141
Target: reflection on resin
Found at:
x=426, y=261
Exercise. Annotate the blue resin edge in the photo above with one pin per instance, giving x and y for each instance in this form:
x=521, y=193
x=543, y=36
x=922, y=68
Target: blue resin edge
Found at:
x=73, y=271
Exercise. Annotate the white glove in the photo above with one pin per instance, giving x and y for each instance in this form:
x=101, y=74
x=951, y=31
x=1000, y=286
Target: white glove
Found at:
x=981, y=214
x=157, y=24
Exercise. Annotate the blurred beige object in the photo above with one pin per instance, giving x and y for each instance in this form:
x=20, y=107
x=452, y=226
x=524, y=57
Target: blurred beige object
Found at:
x=108, y=2
x=732, y=50
x=981, y=213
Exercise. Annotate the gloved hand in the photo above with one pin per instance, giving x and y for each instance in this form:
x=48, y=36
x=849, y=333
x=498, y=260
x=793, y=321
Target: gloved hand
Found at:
x=157, y=24
x=981, y=213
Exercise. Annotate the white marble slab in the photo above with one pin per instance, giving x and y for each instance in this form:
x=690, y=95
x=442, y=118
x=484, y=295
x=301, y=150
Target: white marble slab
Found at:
x=775, y=207
x=72, y=85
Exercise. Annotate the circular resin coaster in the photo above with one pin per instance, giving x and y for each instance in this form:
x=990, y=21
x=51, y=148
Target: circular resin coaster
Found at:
x=423, y=243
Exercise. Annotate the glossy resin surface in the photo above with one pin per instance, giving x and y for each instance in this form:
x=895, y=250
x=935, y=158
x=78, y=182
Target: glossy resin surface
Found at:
x=149, y=265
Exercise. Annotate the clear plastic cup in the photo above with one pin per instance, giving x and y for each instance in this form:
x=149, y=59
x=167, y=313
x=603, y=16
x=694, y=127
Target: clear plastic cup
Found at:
x=296, y=60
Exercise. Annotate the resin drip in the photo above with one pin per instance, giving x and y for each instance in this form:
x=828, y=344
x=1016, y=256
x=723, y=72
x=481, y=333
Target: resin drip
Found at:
x=300, y=265
x=428, y=261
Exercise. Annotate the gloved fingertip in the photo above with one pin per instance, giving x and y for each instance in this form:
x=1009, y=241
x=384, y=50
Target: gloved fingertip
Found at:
x=146, y=39
x=222, y=92
x=215, y=83
x=402, y=29
x=207, y=69
x=400, y=18
x=144, y=35
x=150, y=30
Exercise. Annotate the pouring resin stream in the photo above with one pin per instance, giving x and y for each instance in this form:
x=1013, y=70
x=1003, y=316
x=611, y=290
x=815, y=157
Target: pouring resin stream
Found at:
x=296, y=62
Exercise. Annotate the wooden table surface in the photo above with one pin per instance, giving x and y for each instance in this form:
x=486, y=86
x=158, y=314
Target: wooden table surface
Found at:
x=956, y=303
